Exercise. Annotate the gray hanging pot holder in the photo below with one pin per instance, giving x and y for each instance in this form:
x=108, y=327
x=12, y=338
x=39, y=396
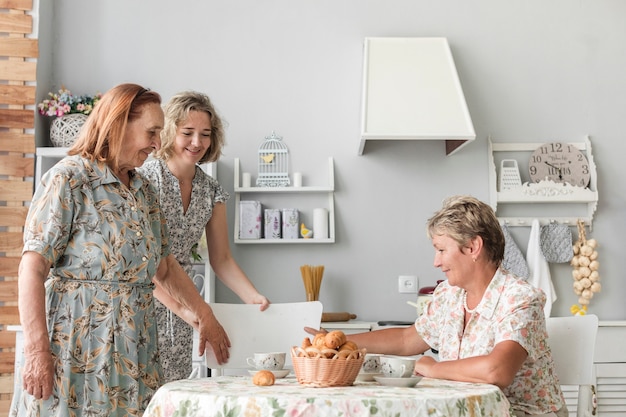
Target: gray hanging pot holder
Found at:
x=513, y=261
x=556, y=243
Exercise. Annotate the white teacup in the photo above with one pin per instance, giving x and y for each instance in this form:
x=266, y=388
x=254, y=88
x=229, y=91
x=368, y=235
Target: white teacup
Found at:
x=371, y=364
x=272, y=361
x=397, y=366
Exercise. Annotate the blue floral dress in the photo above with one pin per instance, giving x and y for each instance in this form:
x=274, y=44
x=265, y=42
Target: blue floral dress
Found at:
x=105, y=242
x=175, y=335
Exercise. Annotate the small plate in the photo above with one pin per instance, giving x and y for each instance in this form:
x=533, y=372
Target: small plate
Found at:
x=367, y=376
x=398, y=382
x=280, y=373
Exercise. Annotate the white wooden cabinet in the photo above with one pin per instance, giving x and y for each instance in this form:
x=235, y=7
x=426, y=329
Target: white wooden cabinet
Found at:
x=303, y=198
x=546, y=200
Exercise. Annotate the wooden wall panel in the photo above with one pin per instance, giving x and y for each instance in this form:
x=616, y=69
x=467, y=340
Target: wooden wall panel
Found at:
x=20, y=47
x=9, y=315
x=23, y=5
x=16, y=23
x=16, y=166
x=17, y=118
x=18, y=73
x=12, y=216
x=7, y=339
x=16, y=190
x=6, y=387
x=7, y=362
x=8, y=291
x=21, y=95
x=11, y=242
x=17, y=142
x=8, y=266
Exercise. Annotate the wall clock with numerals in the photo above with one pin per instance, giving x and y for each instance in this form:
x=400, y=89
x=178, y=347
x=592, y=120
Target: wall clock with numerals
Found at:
x=559, y=162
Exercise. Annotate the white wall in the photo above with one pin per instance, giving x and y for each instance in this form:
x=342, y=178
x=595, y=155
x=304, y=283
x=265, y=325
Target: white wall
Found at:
x=531, y=71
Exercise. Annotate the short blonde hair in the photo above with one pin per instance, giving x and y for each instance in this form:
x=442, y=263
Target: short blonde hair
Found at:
x=177, y=110
x=463, y=218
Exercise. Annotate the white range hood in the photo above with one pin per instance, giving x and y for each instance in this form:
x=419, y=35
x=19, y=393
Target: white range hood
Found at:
x=411, y=91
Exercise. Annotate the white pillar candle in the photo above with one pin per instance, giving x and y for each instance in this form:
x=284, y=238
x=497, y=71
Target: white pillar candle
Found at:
x=297, y=179
x=320, y=223
x=246, y=180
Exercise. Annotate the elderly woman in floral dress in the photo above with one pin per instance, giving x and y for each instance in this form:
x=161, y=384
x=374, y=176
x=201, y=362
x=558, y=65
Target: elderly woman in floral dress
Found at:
x=94, y=239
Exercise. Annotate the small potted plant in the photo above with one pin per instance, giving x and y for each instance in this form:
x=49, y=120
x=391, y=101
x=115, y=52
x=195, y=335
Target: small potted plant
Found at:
x=70, y=112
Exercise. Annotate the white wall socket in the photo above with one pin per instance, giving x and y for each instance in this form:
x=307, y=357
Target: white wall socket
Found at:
x=407, y=284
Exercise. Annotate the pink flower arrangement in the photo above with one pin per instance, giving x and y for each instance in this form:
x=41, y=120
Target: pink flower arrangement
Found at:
x=64, y=102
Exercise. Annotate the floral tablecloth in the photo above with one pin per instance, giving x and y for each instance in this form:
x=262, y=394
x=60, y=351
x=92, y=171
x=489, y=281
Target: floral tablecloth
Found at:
x=237, y=396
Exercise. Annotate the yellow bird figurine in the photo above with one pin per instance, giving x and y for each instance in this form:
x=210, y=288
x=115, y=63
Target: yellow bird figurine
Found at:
x=269, y=158
x=306, y=233
x=577, y=310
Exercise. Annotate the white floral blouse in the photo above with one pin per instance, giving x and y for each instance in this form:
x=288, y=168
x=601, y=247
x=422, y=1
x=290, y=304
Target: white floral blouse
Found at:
x=511, y=309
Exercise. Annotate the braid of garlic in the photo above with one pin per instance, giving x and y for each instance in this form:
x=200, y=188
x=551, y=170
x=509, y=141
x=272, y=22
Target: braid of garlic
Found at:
x=585, y=268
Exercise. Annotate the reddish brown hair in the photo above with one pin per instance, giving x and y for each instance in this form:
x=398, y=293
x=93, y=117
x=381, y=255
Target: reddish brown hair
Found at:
x=102, y=135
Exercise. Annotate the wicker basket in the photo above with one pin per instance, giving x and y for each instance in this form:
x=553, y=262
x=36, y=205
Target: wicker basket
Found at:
x=65, y=129
x=320, y=371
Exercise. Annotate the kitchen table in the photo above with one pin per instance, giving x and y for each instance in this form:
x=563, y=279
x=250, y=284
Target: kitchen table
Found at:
x=237, y=396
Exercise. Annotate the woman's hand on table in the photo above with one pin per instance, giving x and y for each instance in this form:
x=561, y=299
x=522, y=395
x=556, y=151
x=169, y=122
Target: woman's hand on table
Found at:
x=423, y=365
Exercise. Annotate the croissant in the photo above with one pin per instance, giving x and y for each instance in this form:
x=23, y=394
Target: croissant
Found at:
x=263, y=378
x=349, y=345
x=345, y=354
x=306, y=343
x=319, y=341
x=313, y=352
x=334, y=339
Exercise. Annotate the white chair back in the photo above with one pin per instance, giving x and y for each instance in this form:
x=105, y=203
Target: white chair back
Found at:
x=250, y=330
x=572, y=341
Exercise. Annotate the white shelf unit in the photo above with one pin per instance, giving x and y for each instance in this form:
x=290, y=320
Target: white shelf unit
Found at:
x=546, y=201
x=45, y=158
x=264, y=194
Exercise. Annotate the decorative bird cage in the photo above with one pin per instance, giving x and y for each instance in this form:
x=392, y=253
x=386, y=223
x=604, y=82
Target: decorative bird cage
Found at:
x=273, y=162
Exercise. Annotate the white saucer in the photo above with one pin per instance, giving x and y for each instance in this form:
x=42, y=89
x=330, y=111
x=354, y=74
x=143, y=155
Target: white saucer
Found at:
x=367, y=376
x=280, y=373
x=397, y=382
